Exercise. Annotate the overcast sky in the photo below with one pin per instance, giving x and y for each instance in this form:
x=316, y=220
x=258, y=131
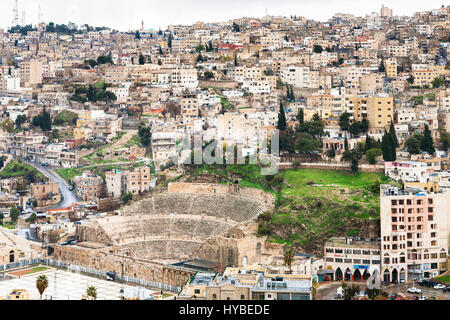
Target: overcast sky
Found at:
x=127, y=15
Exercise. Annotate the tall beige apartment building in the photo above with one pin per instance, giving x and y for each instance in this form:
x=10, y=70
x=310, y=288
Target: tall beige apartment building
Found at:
x=31, y=73
x=414, y=233
x=391, y=68
x=380, y=111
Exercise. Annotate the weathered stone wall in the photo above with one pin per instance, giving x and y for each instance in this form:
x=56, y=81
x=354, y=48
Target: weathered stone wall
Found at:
x=93, y=233
x=335, y=166
x=204, y=188
x=239, y=251
x=103, y=260
x=220, y=84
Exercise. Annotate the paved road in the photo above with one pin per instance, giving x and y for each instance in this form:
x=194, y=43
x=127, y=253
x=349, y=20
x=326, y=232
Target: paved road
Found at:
x=69, y=196
x=329, y=290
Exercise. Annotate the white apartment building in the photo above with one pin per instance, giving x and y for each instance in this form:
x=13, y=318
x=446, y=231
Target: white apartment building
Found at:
x=295, y=76
x=414, y=233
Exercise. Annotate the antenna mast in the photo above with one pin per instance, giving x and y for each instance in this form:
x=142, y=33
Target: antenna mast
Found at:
x=15, y=21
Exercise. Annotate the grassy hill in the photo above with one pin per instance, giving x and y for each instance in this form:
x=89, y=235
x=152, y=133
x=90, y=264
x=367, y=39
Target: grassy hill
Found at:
x=19, y=169
x=313, y=205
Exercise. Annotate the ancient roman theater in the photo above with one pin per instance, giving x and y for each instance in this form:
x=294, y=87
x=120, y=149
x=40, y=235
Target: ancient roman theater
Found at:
x=152, y=238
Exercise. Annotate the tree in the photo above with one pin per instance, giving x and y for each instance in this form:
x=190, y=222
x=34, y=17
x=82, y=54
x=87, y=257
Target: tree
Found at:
x=169, y=41
x=344, y=121
x=141, y=59
x=413, y=143
x=444, y=140
x=236, y=27
x=317, y=48
x=393, y=134
x=364, y=125
x=32, y=218
x=349, y=292
x=437, y=82
x=381, y=68
x=208, y=75
x=388, y=147
x=411, y=79
x=200, y=58
x=92, y=292
x=373, y=154
x=145, y=135
x=137, y=35
x=354, y=128
x=14, y=213
x=346, y=148
x=281, y=118
x=104, y=59
x=43, y=121
x=2, y=216
x=427, y=143
x=301, y=116
x=236, y=60
x=331, y=153
x=127, y=197
x=355, y=165
x=21, y=119
x=199, y=48
x=288, y=259
x=41, y=284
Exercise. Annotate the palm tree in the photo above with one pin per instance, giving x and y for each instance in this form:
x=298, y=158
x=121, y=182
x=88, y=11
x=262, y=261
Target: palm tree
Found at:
x=315, y=286
x=41, y=284
x=92, y=292
x=288, y=258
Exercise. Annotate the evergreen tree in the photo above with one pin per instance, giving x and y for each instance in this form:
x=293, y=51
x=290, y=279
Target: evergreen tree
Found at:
x=394, y=135
x=236, y=60
x=346, y=148
x=14, y=214
x=355, y=165
x=281, y=118
x=169, y=42
x=382, y=68
x=137, y=35
x=141, y=59
x=364, y=125
x=427, y=143
x=369, y=143
x=344, y=121
x=46, y=121
x=388, y=147
x=301, y=116
x=160, y=51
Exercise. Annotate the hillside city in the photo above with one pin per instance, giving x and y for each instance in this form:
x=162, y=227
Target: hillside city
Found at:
x=273, y=158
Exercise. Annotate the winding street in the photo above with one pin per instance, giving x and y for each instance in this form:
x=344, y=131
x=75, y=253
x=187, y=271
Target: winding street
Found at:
x=69, y=197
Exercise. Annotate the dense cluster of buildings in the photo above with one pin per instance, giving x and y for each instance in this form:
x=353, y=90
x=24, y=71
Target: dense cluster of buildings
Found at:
x=229, y=82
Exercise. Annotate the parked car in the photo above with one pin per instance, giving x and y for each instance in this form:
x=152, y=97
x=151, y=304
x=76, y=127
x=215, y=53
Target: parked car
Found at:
x=423, y=298
x=414, y=290
x=415, y=297
x=432, y=298
x=447, y=289
x=44, y=164
x=70, y=188
x=393, y=296
x=439, y=286
x=111, y=276
x=424, y=282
